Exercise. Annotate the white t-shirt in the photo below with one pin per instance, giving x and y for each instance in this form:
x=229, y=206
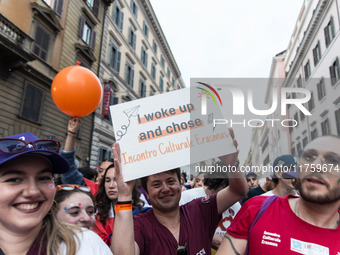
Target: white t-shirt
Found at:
x=90, y=244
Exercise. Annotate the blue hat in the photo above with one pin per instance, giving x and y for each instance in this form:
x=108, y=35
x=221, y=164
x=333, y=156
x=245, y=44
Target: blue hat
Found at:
x=59, y=163
x=285, y=163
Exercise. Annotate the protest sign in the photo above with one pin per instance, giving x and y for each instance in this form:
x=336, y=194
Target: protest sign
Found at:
x=166, y=131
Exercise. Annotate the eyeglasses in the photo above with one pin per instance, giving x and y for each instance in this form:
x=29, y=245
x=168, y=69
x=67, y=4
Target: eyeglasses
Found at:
x=182, y=250
x=14, y=146
x=70, y=187
x=311, y=155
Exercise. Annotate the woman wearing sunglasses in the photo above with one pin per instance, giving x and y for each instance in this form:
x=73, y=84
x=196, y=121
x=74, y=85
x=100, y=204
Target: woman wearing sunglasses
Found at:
x=74, y=205
x=27, y=223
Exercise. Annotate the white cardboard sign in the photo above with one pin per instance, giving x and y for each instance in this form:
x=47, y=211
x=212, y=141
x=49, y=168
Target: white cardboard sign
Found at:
x=166, y=131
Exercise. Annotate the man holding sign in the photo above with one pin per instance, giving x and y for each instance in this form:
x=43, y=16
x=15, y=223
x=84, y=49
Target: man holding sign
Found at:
x=169, y=228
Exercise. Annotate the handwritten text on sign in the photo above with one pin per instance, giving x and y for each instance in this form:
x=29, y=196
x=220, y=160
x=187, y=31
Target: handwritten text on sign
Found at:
x=166, y=131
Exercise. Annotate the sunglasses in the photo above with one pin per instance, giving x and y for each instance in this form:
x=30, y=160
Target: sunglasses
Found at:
x=14, y=146
x=311, y=155
x=182, y=250
x=70, y=187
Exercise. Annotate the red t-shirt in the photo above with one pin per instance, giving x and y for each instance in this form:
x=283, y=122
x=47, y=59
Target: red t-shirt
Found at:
x=279, y=231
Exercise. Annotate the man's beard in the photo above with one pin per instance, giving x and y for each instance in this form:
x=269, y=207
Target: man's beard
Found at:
x=333, y=195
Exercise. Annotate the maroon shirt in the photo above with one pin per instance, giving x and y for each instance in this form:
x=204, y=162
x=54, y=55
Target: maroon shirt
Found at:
x=199, y=219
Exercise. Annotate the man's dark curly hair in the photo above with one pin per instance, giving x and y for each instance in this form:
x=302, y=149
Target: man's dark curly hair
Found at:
x=216, y=179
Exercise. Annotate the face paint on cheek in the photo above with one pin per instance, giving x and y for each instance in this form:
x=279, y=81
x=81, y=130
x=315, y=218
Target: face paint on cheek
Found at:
x=79, y=204
x=178, y=188
x=338, y=181
x=65, y=208
x=51, y=186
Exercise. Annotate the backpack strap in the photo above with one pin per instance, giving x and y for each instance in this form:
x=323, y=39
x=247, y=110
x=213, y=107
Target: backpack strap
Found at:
x=266, y=203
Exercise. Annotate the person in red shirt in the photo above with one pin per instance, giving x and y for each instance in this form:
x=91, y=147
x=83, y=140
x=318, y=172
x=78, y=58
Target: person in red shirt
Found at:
x=308, y=224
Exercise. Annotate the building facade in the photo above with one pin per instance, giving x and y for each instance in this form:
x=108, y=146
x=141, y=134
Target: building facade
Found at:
x=38, y=38
x=311, y=62
x=135, y=62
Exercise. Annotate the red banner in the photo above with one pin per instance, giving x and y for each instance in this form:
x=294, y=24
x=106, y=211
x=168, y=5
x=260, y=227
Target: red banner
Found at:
x=106, y=98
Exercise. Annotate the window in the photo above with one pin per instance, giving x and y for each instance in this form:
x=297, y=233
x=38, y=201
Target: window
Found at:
x=152, y=91
x=142, y=88
x=161, y=83
x=134, y=8
x=321, y=89
x=114, y=57
x=167, y=88
x=153, y=70
x=168, y=73
x=325, y=128
x=302, y=116
x=162, y=61
x=118, y=16
x=307, y=70
x=87, y=33
x=304, y=142
x=173, y=82
x=145, y=29
x=317, y=54
x=293, y=150
x=311, y=104
x=298, y=147
x=314, y=133
x=41, y=43
x=337, y=120
x=154, y=46
x=144, y=56
x=93, y=5
x=56, y=5
x=334, y=71
x=132, y=38
x=329, y=32
x=129, y=73
x=32, y=103
x=103, y=154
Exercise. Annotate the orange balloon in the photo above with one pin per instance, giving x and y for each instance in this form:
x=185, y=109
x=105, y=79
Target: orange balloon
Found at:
x=76, y=91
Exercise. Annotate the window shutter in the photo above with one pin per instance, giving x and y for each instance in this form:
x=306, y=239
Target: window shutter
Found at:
x=121, y=19
x=58, y=7
x=81, y=26
x=314, y=56
x=111, y=56
x=326, y=36
x=117, y=61
x=32, y=103
x=146, y=59
x=134, y=40
x=93, y=39
x=115, y=11
x=331, y=72
x=140, y=87
x=127, y=72
x=96, y=7
x=131, y=77
x=115, y=100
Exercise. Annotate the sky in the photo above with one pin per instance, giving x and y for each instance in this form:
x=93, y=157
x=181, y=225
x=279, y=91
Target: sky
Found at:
x=224, y=38
x=227, y=39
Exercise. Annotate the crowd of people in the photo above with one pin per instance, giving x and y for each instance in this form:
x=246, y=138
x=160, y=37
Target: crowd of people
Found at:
x=293, y=210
